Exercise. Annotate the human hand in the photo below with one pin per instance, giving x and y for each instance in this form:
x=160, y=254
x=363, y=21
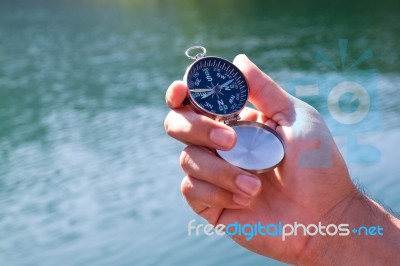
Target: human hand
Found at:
x=310, y=185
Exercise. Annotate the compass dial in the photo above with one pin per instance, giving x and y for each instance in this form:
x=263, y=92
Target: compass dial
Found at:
x=216, y=86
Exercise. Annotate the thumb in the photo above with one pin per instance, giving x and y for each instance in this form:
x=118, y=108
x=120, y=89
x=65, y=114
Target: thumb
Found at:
x=265, y=94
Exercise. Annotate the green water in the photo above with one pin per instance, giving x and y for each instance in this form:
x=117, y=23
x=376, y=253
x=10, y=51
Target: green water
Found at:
x=87, y=174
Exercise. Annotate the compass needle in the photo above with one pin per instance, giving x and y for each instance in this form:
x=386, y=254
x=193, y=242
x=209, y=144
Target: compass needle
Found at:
x=207, y=94
x=227, y=83
x=201, y=90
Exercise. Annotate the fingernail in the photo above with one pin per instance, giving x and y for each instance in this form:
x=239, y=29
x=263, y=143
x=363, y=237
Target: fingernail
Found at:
x=241, y=200
x=248, y=184
x=222, y=137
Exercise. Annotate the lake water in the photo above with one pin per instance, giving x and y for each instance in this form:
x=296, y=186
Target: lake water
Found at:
x=87, y=174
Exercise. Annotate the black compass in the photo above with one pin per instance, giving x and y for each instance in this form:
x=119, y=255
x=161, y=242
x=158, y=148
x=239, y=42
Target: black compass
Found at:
x=218, y=89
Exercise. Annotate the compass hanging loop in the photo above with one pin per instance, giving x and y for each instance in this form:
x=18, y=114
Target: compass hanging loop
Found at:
x=201, y=52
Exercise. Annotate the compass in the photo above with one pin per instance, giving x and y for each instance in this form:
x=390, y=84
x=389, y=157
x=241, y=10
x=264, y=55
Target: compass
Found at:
x=218, y=89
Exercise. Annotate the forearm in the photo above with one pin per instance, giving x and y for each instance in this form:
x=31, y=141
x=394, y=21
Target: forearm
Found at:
x=375, y=247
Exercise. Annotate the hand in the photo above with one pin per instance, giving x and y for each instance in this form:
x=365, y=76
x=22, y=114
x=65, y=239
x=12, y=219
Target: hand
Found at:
x=311, y=184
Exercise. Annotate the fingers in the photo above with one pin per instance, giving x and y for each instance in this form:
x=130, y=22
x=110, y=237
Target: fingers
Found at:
x=190, y=127
x=205, y=166
x=175, y=94
x=201, y=195
x=265, y=94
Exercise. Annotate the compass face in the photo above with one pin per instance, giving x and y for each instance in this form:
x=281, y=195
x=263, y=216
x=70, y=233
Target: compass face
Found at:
x=216, y=86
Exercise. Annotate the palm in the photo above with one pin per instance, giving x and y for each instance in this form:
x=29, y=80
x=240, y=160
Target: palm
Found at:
x=296, y=191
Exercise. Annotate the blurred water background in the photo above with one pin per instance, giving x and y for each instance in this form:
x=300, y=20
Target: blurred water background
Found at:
x=87, y=174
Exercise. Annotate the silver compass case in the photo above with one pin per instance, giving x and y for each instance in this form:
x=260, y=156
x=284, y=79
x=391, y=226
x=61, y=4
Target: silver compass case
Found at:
x=258, y=148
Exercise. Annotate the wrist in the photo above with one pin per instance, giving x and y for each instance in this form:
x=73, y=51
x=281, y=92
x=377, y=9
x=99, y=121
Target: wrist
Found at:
x=375, y=242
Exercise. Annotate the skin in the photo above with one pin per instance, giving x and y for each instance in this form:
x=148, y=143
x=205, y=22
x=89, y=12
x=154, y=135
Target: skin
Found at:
x=312, y=184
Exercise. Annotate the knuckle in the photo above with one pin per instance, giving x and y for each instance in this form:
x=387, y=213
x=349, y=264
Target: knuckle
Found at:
x=214, y=198
x=178, y=123
x=185, y=160
x=167, y=120
x=186, y=187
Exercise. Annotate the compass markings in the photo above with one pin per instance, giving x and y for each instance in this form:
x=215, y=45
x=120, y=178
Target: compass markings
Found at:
x=221, y=71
